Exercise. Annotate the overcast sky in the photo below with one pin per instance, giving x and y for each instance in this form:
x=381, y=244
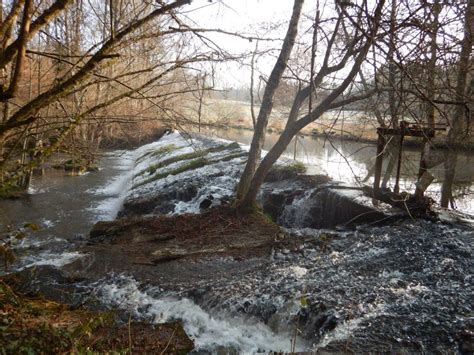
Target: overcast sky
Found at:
x=243, y=16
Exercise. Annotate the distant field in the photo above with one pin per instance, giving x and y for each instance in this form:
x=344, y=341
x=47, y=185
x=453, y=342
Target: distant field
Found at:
x=349, y=124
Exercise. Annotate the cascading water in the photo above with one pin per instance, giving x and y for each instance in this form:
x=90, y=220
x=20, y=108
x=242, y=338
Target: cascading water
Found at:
x=209, y=332
x=400, y=287
x=298, y=213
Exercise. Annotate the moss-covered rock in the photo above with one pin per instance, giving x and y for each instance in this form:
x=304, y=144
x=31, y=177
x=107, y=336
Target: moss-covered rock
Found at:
x=158, y=152
x=196, y=159
x=193, y=164
x=11, y=191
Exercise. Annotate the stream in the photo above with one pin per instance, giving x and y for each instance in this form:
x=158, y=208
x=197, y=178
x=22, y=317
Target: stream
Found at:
x=367, y=285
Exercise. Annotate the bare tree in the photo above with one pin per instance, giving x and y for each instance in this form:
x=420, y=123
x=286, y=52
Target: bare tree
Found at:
x=267, y=103
x=362, y=39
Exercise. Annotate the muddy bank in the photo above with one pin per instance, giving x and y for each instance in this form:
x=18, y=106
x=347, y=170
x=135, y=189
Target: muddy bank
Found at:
x=178, y=250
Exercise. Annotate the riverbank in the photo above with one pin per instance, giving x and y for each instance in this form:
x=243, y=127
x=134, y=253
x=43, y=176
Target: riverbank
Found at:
x=353, y=133
x=36, y=325
x=346, y=125
x=75, y=162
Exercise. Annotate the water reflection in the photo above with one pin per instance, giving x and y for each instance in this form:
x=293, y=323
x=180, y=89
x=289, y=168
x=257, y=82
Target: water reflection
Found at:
x=350, y=162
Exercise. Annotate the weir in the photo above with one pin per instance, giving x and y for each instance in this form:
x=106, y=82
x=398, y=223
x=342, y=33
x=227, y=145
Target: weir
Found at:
x=360, y=282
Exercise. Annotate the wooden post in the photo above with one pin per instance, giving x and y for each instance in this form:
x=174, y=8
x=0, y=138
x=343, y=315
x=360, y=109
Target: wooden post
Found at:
x=379, y=161
x=294, y=151
x=405, y=129
x=396, y=189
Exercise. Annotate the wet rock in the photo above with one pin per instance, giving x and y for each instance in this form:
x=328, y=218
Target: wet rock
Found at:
x=206, y=203
x=274, y=203
x=315, y=202
x=466, y=342
x=162, y=202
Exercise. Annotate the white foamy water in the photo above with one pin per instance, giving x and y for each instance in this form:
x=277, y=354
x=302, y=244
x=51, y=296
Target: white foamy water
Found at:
x=208, y=332
x=36, y=190
x=137, y=181
x=116, y=190
x=295, y=213
x=140, y=182
x=346, y=329
x=53, y=259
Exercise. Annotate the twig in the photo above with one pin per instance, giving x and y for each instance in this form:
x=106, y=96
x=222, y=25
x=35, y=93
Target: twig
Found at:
x=129, y=334
x=169, y=341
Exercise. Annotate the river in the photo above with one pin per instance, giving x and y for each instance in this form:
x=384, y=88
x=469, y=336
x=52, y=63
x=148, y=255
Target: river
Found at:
x=366, y=277
x=350, y=161
x=65, y=207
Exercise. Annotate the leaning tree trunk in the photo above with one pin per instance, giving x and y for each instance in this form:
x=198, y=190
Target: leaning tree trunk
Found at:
x=267, y=103
x=294, y=125
x=250, y=198
x=455, y=131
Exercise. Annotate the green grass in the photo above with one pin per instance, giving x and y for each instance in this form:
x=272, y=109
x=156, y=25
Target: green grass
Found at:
x=193, y=164
x=295, y=168
x=153, y=168
x=231, y=157
x=220, y=148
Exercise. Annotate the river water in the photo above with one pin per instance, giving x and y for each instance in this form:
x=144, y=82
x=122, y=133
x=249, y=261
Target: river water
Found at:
x=66, y=207
x=349, y=161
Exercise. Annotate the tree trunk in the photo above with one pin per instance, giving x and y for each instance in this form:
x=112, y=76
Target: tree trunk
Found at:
x=247, y=201
x=394, y=102
x=455, y=131
x=423, y=175
x=267, y=103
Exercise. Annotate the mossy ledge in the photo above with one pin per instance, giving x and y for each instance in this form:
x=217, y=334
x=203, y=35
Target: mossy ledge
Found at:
x=283, y=172
x=187, y=156
x=158, y=153
x=192, y=165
